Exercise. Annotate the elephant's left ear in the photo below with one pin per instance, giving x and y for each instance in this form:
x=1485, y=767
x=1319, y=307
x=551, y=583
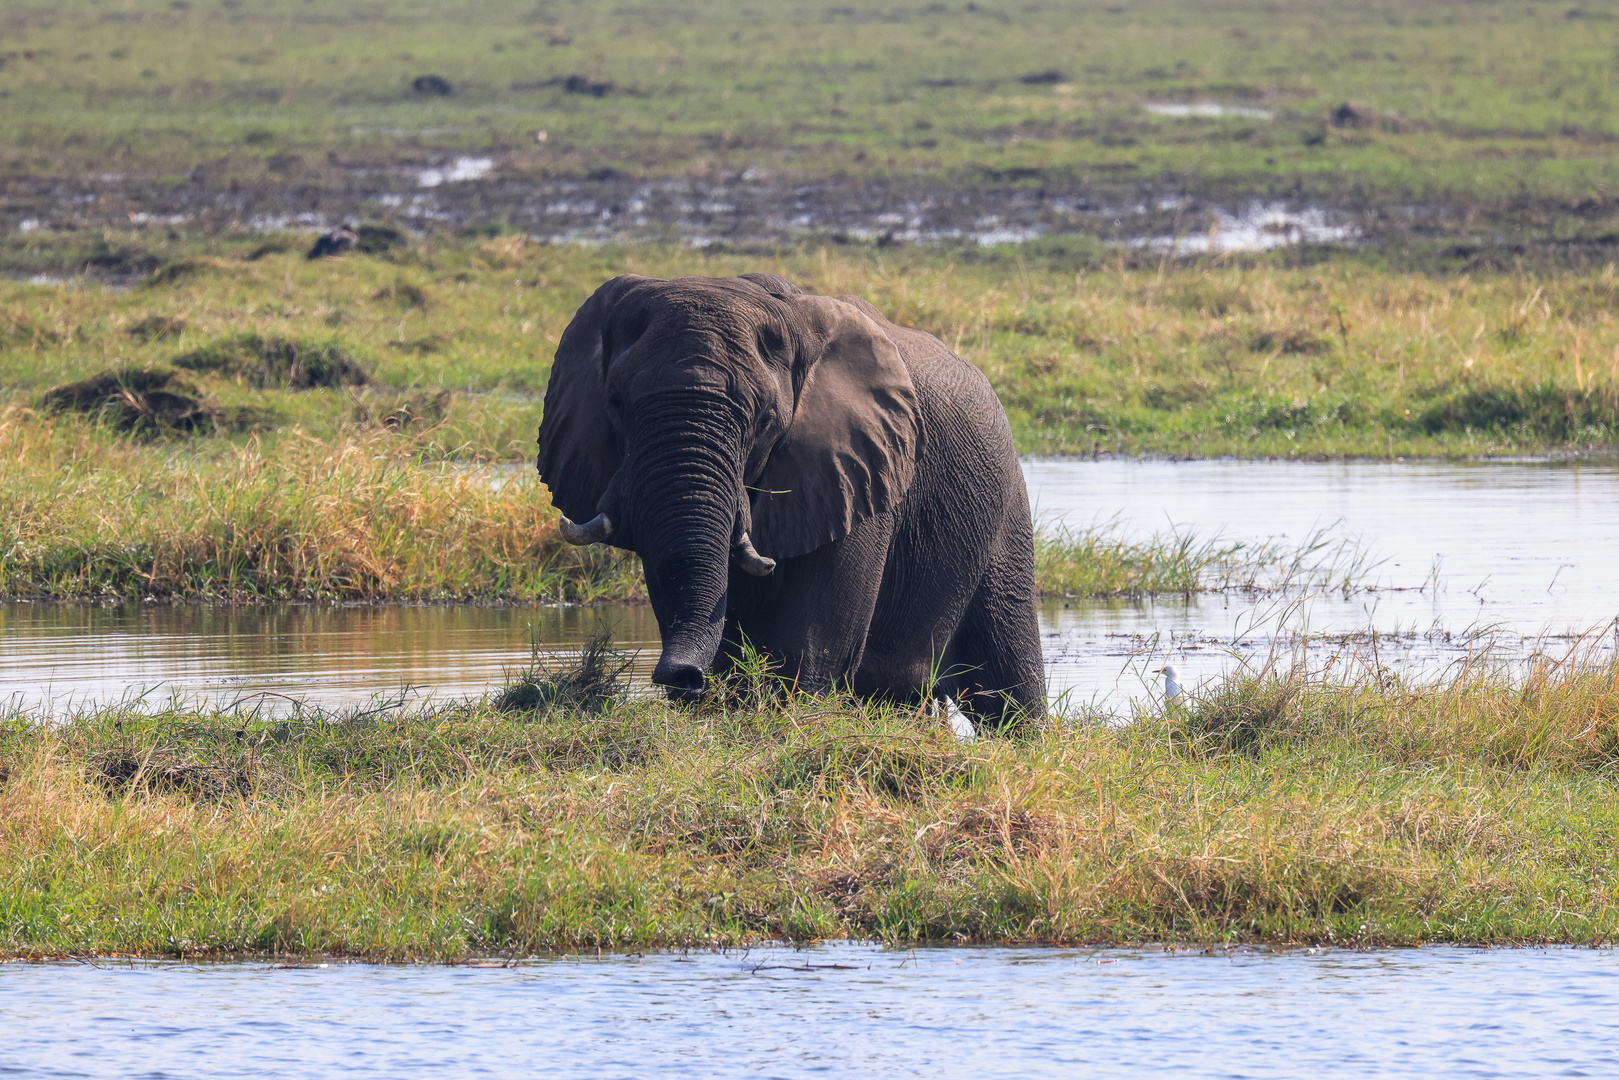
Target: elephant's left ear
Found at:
x=850, y=451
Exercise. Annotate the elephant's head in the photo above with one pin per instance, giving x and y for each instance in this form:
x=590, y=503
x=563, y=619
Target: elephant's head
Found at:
x=709, y=422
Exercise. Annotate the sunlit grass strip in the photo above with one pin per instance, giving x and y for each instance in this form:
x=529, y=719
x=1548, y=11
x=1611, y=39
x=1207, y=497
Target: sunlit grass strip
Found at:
x=1474, y=811
x=1101, y=561
x=87, y=515
x=1231, y=357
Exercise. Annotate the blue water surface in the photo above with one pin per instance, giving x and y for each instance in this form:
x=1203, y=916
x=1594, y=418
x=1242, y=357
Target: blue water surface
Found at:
x=833, y=1010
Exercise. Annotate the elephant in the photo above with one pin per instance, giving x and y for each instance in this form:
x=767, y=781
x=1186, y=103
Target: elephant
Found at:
x=800, y=474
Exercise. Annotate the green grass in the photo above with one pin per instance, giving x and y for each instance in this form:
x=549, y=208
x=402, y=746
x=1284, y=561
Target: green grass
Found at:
x=1477, y=104
x=1277, y=810
x=1252, y=358
x=92, y=516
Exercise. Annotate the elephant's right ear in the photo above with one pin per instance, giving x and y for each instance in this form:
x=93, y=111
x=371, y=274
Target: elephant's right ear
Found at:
x=850, y=451
x=579, y=450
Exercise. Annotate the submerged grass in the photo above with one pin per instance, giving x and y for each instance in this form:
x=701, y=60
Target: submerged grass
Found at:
x=1279, y=809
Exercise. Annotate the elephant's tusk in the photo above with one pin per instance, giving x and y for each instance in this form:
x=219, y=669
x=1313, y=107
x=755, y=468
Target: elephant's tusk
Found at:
x=594, y=531
x=750, y=560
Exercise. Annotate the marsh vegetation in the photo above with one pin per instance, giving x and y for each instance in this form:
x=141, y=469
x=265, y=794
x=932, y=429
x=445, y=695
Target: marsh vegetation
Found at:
x=210, y=436
x=1280, y=807
x=192, y=409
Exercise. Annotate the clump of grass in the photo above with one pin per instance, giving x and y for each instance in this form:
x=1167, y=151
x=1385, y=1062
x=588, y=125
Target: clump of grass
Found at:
x=277, y=361
x=1237, y=714
x=123, y=771
x=1102, y=561
x=1099, y=561
x=21, y=332
x=156, y=327
x=150, y=402
x=1547, y=411
x=395, y=410
x=1558, y=712
x=184, y=269
x=589, y=681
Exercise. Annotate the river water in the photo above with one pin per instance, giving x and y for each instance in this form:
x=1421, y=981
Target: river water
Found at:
x=1451, y=562
x=840, y=1010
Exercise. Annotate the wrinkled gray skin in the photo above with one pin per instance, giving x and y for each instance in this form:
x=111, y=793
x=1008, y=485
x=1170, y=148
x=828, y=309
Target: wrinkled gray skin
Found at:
x=798, y=472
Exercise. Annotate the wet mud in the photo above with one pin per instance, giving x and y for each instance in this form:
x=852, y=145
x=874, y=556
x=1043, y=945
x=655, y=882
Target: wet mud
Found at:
x=749, y=208
x=755, y=209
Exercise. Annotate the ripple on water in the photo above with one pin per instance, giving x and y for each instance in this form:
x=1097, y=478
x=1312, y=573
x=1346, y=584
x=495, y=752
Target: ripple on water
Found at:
x=845, y=1010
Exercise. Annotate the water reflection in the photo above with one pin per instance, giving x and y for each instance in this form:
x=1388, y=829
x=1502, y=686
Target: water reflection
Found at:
x=1466, y=560
x=67, y=655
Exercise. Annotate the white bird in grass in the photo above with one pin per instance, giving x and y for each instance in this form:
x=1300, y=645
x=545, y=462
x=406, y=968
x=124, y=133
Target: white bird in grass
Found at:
x=1172, y=686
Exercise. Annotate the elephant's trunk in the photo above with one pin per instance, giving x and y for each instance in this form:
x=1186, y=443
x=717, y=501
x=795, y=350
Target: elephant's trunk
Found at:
x=686, y=473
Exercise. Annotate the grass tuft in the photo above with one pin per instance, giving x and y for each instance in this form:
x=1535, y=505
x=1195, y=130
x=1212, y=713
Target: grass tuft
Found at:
x=277, y=362
x=1237, y=714
x=590, y=681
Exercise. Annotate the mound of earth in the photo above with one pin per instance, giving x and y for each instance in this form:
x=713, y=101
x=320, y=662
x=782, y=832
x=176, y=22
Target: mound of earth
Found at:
x=156, y=328
x=277, y=361
x=149, y=401
x=379, y=239
x=432, y=86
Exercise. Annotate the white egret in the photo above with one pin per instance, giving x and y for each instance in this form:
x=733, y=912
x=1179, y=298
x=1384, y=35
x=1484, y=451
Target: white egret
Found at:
x=1172, y=686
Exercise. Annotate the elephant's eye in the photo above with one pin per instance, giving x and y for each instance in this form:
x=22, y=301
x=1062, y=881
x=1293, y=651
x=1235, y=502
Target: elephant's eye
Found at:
x=770, y=340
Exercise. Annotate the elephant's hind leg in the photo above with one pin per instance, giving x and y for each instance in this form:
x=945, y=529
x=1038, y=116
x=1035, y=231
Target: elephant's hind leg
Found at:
x=994, y=663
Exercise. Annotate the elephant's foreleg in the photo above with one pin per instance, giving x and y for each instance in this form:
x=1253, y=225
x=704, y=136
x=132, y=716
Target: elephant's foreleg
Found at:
x=811, y=615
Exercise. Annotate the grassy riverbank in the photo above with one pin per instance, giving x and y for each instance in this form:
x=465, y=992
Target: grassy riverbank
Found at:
x=246, y=425
x=335, y=418
x=1277, y=810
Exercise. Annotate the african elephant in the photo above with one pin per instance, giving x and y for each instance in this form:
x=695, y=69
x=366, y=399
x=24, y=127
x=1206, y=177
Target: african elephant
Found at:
x=798, y=472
